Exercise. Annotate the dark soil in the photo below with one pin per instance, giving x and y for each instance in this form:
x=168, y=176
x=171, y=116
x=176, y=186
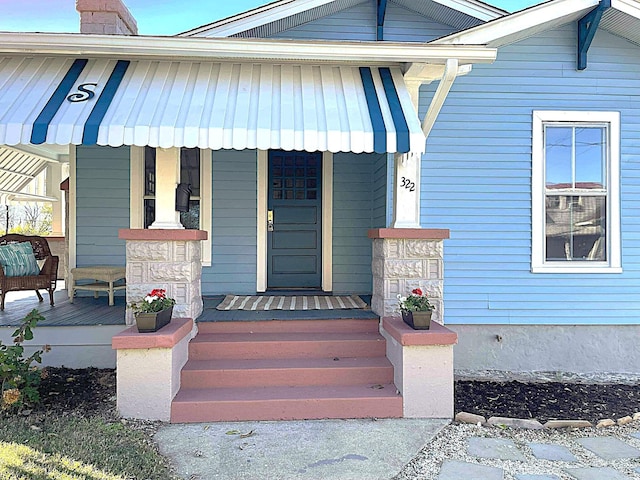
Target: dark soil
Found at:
x=92, y=391
x=547, y=401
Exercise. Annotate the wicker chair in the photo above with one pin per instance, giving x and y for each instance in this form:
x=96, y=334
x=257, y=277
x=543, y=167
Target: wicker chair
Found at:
x=47, y=277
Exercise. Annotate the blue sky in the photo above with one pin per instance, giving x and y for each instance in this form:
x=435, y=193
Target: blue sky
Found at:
x=154, y=17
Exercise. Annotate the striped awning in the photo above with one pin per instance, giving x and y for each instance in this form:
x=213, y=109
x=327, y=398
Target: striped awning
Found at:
x=214, y=105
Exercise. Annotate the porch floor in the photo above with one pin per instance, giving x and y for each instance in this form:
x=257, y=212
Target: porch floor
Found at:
x=86, y=310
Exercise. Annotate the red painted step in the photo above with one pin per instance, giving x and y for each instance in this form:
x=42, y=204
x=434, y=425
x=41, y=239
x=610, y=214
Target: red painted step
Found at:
x=286, y=403
x=286, y=370
x=286, y=345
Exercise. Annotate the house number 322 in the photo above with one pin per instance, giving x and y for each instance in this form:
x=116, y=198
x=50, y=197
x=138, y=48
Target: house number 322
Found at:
x=408, y=184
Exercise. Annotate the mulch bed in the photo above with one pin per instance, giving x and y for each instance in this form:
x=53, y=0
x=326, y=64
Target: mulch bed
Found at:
x=92, y=391
x=547, y=401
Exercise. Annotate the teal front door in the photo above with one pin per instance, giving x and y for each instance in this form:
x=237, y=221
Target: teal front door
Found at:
x=294, y=233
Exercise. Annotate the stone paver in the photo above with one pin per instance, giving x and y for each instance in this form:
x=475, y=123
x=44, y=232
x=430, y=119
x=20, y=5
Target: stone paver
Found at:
x=454, y=470
x=497, y=448
x=527, y=476
x=556, y=453
x=609, y=448
x=605, y=473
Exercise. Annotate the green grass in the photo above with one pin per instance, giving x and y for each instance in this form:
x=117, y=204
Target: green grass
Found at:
x=76, y=448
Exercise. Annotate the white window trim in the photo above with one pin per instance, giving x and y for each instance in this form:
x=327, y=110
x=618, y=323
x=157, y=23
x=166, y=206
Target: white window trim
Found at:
x=136, y=202
x=614, y=255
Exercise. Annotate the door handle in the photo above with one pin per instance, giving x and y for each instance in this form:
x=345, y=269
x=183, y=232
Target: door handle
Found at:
x=270, y=221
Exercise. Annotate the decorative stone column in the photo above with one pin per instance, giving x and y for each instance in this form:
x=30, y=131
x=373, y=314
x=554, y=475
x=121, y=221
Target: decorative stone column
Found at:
x=404, y=259
x=168, y=259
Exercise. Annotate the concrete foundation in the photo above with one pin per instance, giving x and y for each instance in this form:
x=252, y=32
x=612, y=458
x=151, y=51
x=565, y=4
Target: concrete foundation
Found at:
x=548, y=352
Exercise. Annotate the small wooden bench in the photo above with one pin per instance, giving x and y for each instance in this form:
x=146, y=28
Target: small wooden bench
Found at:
x=105, y=277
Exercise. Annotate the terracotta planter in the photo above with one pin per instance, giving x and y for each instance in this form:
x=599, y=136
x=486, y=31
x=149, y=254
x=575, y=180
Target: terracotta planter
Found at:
x=152, y=322
x=417, y=320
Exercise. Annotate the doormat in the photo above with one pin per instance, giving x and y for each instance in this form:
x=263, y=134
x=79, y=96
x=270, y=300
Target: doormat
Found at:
x=288, y=302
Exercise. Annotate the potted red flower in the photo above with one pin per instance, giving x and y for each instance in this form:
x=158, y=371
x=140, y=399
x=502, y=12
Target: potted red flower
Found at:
x=154, y=311
x=416, y=310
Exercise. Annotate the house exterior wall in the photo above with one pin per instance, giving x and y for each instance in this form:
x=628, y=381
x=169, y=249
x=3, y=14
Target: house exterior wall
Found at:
x=357, y=180
x=102, y=204
x=359, y=23
x=234, y=224
x=476, y=181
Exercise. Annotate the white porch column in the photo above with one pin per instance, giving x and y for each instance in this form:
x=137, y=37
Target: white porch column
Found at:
x=406, y=191
x=167, y=178
x=54, y=178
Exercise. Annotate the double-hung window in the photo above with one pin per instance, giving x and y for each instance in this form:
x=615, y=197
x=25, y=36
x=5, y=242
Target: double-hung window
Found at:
x=195, y=170
x=575, y=192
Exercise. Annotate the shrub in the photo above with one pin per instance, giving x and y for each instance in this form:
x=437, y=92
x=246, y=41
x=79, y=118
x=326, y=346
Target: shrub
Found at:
x=19, y=379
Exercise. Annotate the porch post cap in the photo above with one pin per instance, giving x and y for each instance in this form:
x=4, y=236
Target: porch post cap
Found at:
x=405, y=335
x=161, y=234
x=410, y=233
x=166, y=337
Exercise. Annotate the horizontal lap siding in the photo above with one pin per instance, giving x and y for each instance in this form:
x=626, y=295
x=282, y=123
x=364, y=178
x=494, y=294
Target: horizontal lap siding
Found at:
x=233, y=235
x=354, y=189
x=477, y=182
x=102, y=204
x=359, y=23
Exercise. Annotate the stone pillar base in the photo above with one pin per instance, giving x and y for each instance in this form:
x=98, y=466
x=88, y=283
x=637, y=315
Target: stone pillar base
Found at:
x=404, y=259
x=422, y=367
x=148, y=368
x=167, y=259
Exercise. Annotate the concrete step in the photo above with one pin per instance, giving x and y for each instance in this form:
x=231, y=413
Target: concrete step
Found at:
x=225, y=373
x=308, y=326
x=286, y=345
x=286, y=403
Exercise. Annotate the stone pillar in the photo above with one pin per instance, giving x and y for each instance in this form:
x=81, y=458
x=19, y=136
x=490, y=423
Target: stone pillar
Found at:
x=404, y=259
x=168, y=259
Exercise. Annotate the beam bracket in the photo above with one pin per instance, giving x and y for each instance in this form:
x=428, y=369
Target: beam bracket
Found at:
x=587, y=27
x=381, y=12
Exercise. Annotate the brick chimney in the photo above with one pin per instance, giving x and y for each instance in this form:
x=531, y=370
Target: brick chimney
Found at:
x=110, y=17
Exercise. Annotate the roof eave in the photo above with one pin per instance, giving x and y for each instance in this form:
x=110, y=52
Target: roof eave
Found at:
x=522, y=24
x=221, y=49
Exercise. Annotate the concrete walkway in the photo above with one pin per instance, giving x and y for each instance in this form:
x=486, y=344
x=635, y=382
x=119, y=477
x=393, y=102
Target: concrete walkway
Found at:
x=305, y=450
x=400, y=448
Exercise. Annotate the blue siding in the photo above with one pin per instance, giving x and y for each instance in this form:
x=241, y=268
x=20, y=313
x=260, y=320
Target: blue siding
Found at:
x=233, y=236
x=477, y=182
x=102, y=204
x=379, y=192
x=356, y=184
x=359, y=23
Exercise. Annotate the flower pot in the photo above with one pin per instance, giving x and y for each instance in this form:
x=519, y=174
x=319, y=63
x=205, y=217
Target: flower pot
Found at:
x=417, y=320
x=152, y=322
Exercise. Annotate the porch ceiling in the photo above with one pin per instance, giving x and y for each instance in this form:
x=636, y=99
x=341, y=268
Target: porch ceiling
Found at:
x=18, y=168
x=216, y=105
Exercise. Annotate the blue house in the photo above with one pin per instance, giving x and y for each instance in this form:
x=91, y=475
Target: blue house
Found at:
x=360, y=147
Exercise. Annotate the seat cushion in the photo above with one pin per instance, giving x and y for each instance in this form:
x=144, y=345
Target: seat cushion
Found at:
x=18, y=260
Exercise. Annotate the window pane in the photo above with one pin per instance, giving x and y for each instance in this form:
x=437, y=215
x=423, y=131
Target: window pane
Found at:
x=191, y=219
x=190, y=169
x=590, y=157
x=575, y=228
x=149, y=212
x=558, y=147
x=149, y=171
